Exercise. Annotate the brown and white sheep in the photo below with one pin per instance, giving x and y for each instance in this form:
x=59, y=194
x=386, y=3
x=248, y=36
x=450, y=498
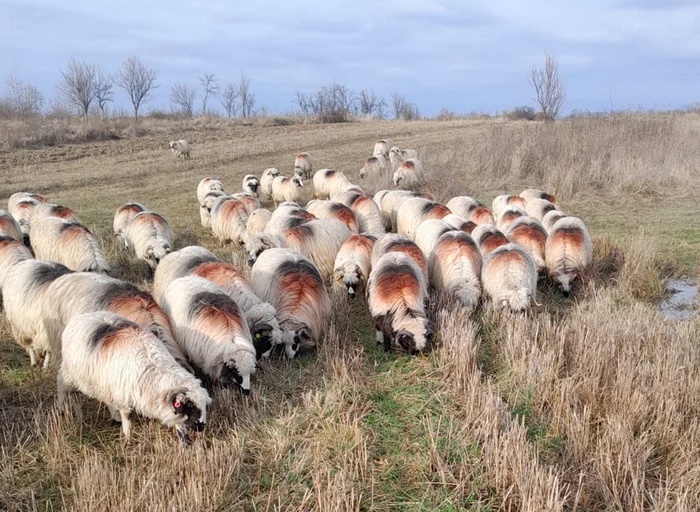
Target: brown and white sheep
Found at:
x=392, y=242
x=287, y=189
x=568, y=252
x=9, y=227
x=470, y=209
x=354, y=262
x=68, y=243
x=455, y=268
x=207, y=185
x=303, y=166
x=332, y=210
x=532, y=193
x=500, y=203
x=266, y=179
x=415, y=210
x=428, y=233
x=409, y=174
x=229, y=219
x=150, y=236
x=531, y=235
x=124, y=216
x=369, y=218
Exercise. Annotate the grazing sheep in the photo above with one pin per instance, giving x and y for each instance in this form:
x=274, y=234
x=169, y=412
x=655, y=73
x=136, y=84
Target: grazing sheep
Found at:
x=208, y=202
x=257, y=222
x=470, y=209
x=18, y=197
x=150, y=236
x=302, y=166
x=180, y=148
x=24, y=290
x=374, y=165
x=266, y=179
x=284, y=217
x=258, y=243
x=381, y=147
x=83, y=292
x=251, y=202
x=532, y=193
x=328, y=183
x=43, y=210
x=500, y=203
x=509, y=277
x=397, y=294
x=9, y=228
x=488, y=238
x=353, y=262
x=409, y=174
x=460, y=223
x=125, y=214
x=113, y=360
x=388, y=203
x=568, y=252
x=392, y=242
x=207, y=185
x=369, y=218
x=251, y=185
x=428, y=233
x=509, y=215
x=332, y=210
x=415, y=210
x=531, y=235
x=20, y=205
x=551, y=218
x=229, y=219
x=211, y=330
x=294, y=286
x=68, y=243
x=398, y=156
x=286, y=189
x=12, y=251
x=260, y=316
x=455, y=268
x=538, y=208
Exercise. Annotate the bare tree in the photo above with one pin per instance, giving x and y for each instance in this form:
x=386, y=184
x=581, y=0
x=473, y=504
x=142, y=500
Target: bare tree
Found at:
x=103, y=91
x=304, y=101
x=229, y=99
x=182, y=98
x=23, y=100
x=246, y=96
x=550, y=92
x=208, y=83
x=78, y=84
x=137, y=80
x=398, y=104
x=371, y=104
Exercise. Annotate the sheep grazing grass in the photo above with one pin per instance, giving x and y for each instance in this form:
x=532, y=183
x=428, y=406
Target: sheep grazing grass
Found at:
x=584, y=402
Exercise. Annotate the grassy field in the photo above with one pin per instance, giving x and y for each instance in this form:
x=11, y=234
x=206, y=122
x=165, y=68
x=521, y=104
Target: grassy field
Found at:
x=588, y=403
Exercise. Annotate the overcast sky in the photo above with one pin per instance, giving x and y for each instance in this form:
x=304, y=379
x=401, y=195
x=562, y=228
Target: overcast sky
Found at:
x=465, y=56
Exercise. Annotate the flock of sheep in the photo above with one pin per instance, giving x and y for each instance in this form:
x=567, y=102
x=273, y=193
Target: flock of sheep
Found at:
x=136, y=351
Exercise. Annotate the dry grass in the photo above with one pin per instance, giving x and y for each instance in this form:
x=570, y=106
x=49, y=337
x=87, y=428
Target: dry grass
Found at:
x=584, y=404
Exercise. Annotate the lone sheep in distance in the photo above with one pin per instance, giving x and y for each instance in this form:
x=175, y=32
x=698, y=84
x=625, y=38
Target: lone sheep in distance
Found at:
x=180, y=148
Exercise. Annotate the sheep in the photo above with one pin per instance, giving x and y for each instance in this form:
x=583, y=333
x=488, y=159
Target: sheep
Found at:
x=509, y=277
x=83, y=292
x=509, y=215
x=538, y=208
x=392, y=242
x=531, y=236
x=250, y=202
x=500, y=203
x=328, y=183
x=24, y=289
x=374, y=165
x=251, y=185
x=207, y=185
x=454, y=267
x=150, y=236
x=369, y=218
x=488, y=238
x=266, y=179
x=258, y=243
x=302, y=166
x=397, y=293
x=20, y=205
x=294, y=286
x=68, y=243
x=229, y=219
x=353, y=262
x=14, y=200
x=531, y=194
x=568, y=252
x=551, y=218
x=284, y=216
x=211, y=330
x=286, y=189
x=381, y=147
x=398, y=156
x=428, y=233
x=388, y=201
x=9, y=228
x=332, y=210
x=409, y=174
x=12, y=251
x=257, y=222
x=208, y=202
x=470, y=209
x=180, y=148
x=51, y=210
x=113, y=360
x=415, y=210
x=460, y=223
x=260, y=316
x=124, y=216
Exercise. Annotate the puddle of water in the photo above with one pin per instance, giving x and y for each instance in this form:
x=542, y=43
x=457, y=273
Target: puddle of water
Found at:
x=683, y=301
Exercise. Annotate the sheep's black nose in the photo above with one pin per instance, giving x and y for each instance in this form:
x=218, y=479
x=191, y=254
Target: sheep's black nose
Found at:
x=199, y=426
x=251, y=262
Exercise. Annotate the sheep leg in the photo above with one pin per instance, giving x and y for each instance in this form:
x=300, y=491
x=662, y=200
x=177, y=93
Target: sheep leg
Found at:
x=32, y=356
x=126, y=424
x=62, y=389
x=184, y=437
x=114, y=414
x=47, y=360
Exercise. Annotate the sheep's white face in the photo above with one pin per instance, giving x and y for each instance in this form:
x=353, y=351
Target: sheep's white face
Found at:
x=173, y=144
x=350, y=276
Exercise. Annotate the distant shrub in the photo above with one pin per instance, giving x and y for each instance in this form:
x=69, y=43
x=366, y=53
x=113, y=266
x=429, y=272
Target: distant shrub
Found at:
x=521, y=113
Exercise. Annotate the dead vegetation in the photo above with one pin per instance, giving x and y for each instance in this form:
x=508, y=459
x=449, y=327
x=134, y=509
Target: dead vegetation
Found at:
x=586, y=403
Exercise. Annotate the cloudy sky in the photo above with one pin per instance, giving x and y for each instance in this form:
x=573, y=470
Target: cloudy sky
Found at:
x=465, y=56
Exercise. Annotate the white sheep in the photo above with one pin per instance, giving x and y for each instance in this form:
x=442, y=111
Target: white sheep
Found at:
x=286, y=189
x=208, y=202
x=455, y=268
x=531, y=236
x=124, y=216
x=551, y=218
x=257, y=222
x=113, y=360
x=538, y=208
x=509, y=277
x=488, y=238
x=180, y=148
x=251, y=185
x=398, y=156
x=20, y=206
x=266, y=180
x=12, y=251
x=392, y=242
x=409, y=174
x=9, y=227
x=459, y=223
x=388, y=201
x=373, y=166
x=500, y=203
x=415, y=210
x=211, y=330
x=381, y=147
x=532, y=193
x=229, y=218
x=568, y=252
x=354, y=262
x=369, y=217
x=207, y=185
x=250, y=202
x=150, y=236
x=428, y=233
x=509, y=215
x=328, y=183
x=303, y=166
x=470, y=209
x=322, y=209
